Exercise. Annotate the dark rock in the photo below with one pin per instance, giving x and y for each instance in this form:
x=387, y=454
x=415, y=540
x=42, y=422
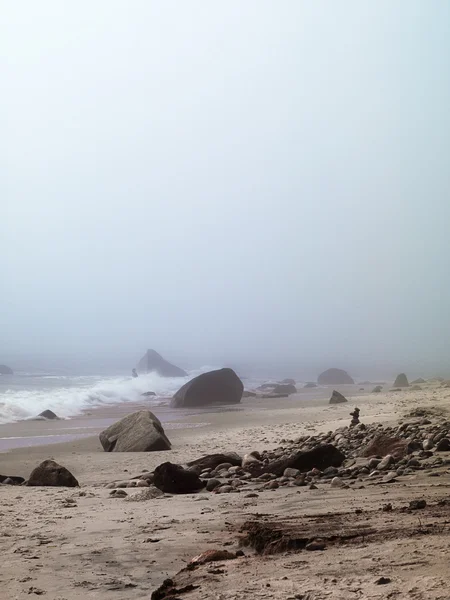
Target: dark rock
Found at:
x=401, y=381
x=173, y=479
x=216, y=387
x=49, y=473
x=48, y=414
x=284, y=388
x=315, y=545
x=334, y=377
x=13, y=480
x=383, y=581
x=383, y=445
x=211, y=484
x=310, y=384
x=148, y=394
x=417, y=504
x=321, y=457
x=443, y=445
x=152, y=361
x=337, y=398
x=4, y=370
x=211, y=461
x=138, y=432
x=377, y=389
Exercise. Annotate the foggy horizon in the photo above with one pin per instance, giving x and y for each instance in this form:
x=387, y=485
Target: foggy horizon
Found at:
x=251, y=184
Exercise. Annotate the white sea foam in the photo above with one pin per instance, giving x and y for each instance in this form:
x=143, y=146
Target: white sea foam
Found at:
x=69, y=396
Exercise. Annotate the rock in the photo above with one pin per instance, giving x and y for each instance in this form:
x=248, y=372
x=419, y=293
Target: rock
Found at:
x=377, y=389
x=49, y=473
x=401, y=381
x=334, y=377
x=310, y=384
x=118, y=494
x=4, y=370
x=337, y=398
x=212, y=556
x=382, y=581
x=443, y=445
x=148, y=394
x=383, y=444
x=385, y=463
x=337, y=482
x=48, y=414
x=284, y=388
x=417, y=504
x=216, y=387
x=138, y=432
x=152, y=361
x=11, y=480
x=315, y=545
x=320, y=457
x=417, y=381
x=248, y=394
x=274, y=395
x=211, y=484
x=251, y=459
x=173, y=479
x=415, y=388
x=212, y=461
x=291, y=473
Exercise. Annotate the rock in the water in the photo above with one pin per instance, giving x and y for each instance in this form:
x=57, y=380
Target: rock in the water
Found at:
x=443, y=445
x=148, y=394
x=215, y=387
x=138, y=432
x=284, y=388
x=11, y=480
x=152, y=361
x=4, y=370
x=310, y=384
x=377, y=389
x=382, y=445
x=321, y=457
x=401, y=381
x=334, y=377
x=173, y=479
x=211, y=461
x=49, y=473
x=337, y=398
x=48, y=414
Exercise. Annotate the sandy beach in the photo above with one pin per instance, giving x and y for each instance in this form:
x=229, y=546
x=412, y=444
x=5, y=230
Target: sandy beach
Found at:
x=66, y=543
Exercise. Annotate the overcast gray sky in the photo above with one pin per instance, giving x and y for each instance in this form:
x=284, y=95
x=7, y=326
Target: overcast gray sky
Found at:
x=226, y=180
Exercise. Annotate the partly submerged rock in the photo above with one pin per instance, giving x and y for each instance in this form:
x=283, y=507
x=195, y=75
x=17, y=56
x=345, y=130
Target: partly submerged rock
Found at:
x=288, y=381
x=148, y=394
x=138, y=432
x=50, y=473
x=152, y=361
x=49, y=415
x=401, y=381
x=174, y=479
x=215, y=387
x=337, y=398
x=5, y=370
x=334, y=377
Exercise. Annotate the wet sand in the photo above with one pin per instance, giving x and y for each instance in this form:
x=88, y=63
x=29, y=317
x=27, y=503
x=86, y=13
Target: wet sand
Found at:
x=70, y=543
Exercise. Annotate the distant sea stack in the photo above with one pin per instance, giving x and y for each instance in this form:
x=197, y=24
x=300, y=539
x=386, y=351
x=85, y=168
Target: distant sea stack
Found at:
x=401, y=381
x=334, y=377
x=215, y=387
x=152, y=361
x=4, y=370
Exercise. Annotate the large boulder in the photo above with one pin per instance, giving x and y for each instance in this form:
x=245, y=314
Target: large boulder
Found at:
x=337, y=398
x=215, y=387
x=174, y=479
x=4, y=370
x=49, y=473
x=334, y=377
x=401, y=381
x=138, y=432
x=152, y=361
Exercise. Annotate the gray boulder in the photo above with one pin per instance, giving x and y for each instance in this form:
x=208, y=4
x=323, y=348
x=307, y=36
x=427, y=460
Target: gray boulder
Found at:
x=49, y=415
x=4, y=370
x=215, y=387
x=284, y=388
x=152, y=361
x=334, y=377
x=401, y=381
x=49, y=473
x=138, y=432
x=337, y=398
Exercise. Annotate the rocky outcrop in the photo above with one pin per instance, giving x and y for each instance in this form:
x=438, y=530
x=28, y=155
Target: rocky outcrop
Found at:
x=154, y=362
x=334, y=377
x=138, y=432
x=174, y=479
x=337, y=398
x=401, y=381
x=4, y=370
x=215, y=387
x=49, y=473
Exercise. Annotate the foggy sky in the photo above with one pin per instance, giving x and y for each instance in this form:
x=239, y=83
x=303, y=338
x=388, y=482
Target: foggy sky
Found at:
x=226, y=181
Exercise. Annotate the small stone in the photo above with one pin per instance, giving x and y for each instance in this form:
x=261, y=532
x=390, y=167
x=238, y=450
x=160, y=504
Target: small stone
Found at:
x=291, y=472
x=118, y=494
x=387, y=507
x=224, y=489
x=315, y=545
x=383, y=581
x=212, y=484
x=337, y=482
x=417, y=504
x=252, y=495
x=385, y=463
x=142, y=483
